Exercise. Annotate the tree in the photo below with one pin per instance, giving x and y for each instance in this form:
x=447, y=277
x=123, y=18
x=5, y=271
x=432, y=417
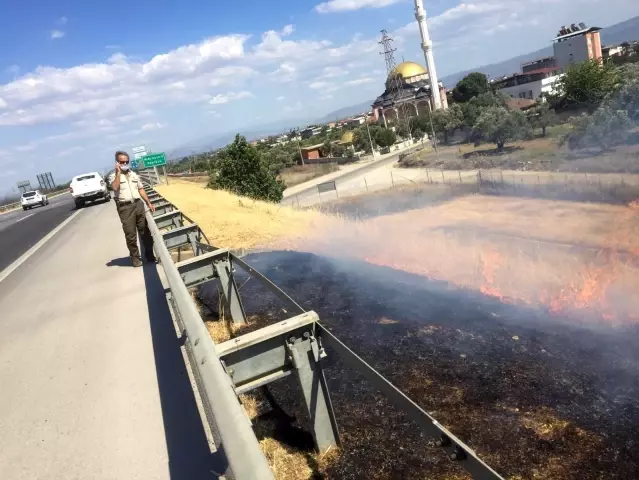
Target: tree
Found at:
x=541, y=116
x=603, y=129
x=447, y=121
x=626, y=97
x=242, y=170
x=361, y=142
x=473, y=108
x=470, y=86
x=500, y=125
x=586, y=84
x=402, y=130
x=385, y=137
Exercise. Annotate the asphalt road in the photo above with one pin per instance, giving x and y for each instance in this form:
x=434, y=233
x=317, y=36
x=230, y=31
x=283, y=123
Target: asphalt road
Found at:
x=20, y=230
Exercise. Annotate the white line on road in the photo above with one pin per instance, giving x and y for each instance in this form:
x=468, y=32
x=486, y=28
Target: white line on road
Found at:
x=25, y=256
x=30, y=215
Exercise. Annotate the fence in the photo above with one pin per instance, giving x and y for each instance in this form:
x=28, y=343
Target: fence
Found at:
x=296, y=346
x=564, y=185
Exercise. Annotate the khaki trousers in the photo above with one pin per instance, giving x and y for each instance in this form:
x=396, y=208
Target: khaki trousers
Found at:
x=134, y=222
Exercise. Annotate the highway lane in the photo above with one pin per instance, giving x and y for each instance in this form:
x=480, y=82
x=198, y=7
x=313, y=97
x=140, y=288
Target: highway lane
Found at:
x=20, y=230
x=80, y=390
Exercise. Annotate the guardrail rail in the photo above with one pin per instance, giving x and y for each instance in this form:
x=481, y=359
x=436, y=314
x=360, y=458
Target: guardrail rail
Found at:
x=296, y=346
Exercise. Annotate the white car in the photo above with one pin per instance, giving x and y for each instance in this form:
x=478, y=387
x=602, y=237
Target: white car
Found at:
x=87, y=188
x=32, y=199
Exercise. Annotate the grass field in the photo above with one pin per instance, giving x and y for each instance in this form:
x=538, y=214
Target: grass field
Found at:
x=512, y=320
x=539, y=154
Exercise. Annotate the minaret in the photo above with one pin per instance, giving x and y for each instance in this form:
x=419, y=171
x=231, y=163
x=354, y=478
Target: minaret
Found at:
x=427, y=46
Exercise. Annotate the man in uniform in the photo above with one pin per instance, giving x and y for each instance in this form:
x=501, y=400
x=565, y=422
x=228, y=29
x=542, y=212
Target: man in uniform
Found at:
x=129, y=194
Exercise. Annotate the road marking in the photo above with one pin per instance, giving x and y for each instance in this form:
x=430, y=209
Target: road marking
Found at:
x=25, y=256
x=23, y=218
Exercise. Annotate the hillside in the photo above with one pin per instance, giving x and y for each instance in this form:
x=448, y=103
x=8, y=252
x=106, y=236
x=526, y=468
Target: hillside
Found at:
x=614, y=34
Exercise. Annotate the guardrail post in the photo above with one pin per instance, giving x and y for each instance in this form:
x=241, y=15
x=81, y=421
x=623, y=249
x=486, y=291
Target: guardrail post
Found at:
x=230, y=292
x=306, y=356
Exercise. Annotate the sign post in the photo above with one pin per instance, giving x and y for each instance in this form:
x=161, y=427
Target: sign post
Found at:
x=155, y=160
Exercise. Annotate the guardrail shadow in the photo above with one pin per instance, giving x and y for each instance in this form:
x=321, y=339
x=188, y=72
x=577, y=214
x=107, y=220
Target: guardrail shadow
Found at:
x=189, y=455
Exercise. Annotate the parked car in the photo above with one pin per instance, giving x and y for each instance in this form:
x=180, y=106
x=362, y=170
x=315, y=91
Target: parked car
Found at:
x=88, y=187
x=32, y=199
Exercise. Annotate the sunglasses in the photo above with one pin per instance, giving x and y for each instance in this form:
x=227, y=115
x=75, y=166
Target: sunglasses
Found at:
x=126, y=162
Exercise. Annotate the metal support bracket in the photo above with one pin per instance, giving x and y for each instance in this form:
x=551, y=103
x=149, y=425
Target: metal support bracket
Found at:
x=180, y=237
x=163, y=204
x=162, y=210
x=198, y=270
x=172, y=219
x=276, y=351
x=224, y=269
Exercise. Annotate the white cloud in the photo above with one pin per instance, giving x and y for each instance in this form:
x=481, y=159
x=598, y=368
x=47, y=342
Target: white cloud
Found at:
x=118, y=58
x=153, y=126
x=318, y=85
x=287, y=30
x=63, y=20
x=229, y=97
x=280, y=98
x=349, y=5
x=358, y=81
x=56, y=34
x=465, y=10
x=70, y=151
x=51, y=94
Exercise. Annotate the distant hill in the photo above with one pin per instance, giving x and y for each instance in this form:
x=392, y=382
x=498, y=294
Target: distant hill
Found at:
x=345, y=112
x=612, y=35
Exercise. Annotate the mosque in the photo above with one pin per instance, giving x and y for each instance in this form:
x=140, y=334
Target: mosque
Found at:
x=415, y=94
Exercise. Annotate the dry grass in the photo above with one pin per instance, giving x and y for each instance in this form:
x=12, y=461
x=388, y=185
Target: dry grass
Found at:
x=510, y=247
x=230, y=221
x=303, y=173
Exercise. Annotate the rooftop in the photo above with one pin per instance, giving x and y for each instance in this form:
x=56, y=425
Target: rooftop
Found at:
x=576, y=34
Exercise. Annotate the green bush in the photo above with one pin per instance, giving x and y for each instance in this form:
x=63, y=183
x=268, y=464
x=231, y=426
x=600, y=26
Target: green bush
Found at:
x=241, y=169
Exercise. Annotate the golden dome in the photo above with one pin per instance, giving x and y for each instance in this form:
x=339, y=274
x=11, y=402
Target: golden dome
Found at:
x=347, y=137
x=408, y=70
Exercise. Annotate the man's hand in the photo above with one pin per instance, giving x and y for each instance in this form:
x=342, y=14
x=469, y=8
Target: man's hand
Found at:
x=117, y=167
x=151, y=207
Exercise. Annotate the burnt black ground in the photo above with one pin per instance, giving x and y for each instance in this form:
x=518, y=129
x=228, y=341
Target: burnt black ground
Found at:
x=494, y=373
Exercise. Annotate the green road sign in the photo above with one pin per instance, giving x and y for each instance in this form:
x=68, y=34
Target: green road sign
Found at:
x=153, y=160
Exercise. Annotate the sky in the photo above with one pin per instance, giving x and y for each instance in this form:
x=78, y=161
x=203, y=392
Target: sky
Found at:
x=80, y=79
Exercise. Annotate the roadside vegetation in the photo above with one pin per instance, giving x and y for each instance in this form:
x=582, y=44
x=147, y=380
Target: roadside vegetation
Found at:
x=599, y=102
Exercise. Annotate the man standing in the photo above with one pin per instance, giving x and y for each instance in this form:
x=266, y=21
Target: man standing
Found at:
x=129, y=193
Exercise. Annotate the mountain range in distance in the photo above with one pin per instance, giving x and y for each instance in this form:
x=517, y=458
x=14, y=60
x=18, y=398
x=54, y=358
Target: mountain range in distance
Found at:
x=625, y=31
x=613, y=35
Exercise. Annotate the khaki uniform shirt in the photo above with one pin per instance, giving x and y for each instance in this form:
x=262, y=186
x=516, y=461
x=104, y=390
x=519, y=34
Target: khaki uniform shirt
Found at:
x=129, y=187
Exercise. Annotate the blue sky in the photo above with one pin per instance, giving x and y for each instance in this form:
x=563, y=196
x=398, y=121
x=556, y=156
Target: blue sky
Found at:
x=81, y=79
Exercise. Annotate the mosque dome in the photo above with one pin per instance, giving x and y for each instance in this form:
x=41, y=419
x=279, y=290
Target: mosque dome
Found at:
x=347, y=137
x=407, y=70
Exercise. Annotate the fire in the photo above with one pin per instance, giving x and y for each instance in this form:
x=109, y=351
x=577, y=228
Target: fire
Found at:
x=490, y=261
x=562, y=276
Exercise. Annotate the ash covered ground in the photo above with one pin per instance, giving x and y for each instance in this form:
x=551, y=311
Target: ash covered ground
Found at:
x=535, y=395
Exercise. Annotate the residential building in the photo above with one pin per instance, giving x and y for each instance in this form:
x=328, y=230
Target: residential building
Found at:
x=577, y=44
x=528, y=85
x=312, y=152
x=538, y=65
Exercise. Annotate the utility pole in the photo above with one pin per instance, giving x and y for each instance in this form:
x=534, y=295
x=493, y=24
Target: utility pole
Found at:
x=299, y=146
x=370, y=140
x=432, y=129
x=395, y=81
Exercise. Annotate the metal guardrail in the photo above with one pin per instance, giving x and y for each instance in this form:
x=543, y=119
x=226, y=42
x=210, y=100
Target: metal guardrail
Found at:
x=9, y=206
x=226, y=416
x=295, y=346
